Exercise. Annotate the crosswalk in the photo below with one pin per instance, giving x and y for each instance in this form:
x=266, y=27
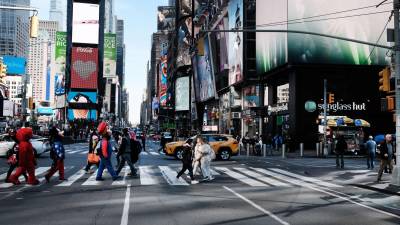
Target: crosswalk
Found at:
x=166, y=175
x=81, y=151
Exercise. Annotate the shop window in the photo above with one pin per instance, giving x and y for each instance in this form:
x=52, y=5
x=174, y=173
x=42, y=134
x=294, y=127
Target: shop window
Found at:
x=283, y=93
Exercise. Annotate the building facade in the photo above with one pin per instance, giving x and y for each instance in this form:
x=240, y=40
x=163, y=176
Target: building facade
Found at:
x=14, y=84
x=14, y=29
x=57, y=13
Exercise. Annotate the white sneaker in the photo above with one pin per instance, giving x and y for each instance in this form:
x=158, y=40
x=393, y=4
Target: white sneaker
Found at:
x=194, y=182
x=211, y=178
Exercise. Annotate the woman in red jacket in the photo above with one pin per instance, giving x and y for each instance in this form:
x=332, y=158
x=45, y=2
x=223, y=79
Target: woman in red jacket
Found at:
x=26, y=157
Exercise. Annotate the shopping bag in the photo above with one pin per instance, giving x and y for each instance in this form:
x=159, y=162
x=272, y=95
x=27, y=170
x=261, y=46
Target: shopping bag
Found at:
x=93, y=158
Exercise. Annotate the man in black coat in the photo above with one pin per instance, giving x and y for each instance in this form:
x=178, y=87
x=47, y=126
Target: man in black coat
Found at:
x=187, y=160
x=340, y=149
x=125, y=152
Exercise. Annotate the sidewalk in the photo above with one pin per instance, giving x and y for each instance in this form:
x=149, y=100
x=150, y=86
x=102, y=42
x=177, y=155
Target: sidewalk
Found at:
x=355, y=173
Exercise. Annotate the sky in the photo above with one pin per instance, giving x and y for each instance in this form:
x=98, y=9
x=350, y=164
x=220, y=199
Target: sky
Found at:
x=140, y=17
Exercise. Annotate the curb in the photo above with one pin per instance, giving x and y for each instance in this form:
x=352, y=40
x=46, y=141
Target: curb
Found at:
x=385, y=191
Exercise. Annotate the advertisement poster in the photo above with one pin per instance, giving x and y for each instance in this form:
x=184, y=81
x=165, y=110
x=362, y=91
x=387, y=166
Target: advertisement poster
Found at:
x=84, y=68
x=60, y=101
x=86, y=114
x=182, y=94
x=60, y=60
x=185, y=34
x=271, y=48
x=251, y=97
x=110, y=55
x=85, y=27
x=15, y=65
x=235, y=14
x=163, y=74
x=223, y=45
x=274, y=50
x=204, y=73
x=166, y=18
x=82, y=97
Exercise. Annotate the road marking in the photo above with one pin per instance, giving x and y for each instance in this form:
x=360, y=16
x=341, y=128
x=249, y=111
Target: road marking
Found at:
x=309, y=179
x=73, y=152
x=241, y=177
x=147, y=175
x=92, y=180
x=123, y=180
x=84, y=152
x=144, y=153
x=170, y=176
x=262, y=178
x=327, y=191
x=72, y=179
x=154, y=153
x=266, y=212
x=125, y=212
x=214, y=173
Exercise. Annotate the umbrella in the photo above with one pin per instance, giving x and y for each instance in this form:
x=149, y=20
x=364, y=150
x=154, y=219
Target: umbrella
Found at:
x=379, y=138
x=361, y=123
x=347, y=120
x=332, y=123
x=340, y=122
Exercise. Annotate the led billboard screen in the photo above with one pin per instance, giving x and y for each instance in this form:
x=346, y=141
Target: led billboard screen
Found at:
x=84, y=68
x=15, y=65
x=85, y=27
x=166, y=18
x=182, y=94
x=235, y=14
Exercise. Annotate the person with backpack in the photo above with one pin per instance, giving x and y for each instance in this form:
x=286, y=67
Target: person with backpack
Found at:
x=27, y=161
x=93, y=159
x=136, y=147
x=12, y=157
x=58, y=154
x=187, y=161
x=125, y=153
x=105, y=153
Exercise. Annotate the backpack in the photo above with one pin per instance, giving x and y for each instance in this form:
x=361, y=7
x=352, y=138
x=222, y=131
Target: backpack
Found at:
x=136, y=148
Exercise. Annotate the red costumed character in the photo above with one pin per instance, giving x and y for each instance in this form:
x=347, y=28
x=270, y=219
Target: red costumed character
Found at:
x=26, y=157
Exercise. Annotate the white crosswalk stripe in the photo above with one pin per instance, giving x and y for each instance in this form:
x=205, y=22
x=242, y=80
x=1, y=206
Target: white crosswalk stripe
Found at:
x=38, y=172
x=154, y=153
x=242, y=178
x=170, y=176
x=73, y=152
x=91, y=181
x=262, y=178
x=308, y=179
x=147, y=175
x=123, y=180
x=144, y=153
x=72, y=179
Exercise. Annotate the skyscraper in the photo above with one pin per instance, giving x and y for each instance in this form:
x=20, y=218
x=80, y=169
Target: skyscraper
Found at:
x=57, y=13
x=109, y=23
x=41, y=59
x=14, y=29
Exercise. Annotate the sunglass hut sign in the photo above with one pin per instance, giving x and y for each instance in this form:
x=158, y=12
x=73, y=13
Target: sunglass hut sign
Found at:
x=344, y=107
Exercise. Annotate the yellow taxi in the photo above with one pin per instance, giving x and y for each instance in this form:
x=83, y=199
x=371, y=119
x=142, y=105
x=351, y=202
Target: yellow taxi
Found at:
x=223, y=145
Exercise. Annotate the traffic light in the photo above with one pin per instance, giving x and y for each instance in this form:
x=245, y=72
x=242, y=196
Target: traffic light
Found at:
x=384, y=80
x=331, y=98
x=390, y=103
x=34, y=27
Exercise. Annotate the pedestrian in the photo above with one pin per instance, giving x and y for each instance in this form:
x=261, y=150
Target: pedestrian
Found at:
x=340, y=148
x=371, y=149
x=136, y=148
x=386, y=153
x=203, y=156
x=56, y=137
x=144, y=141
x=27, y=161
x=125, y=152
x=13, y=157
x=187, y=161
x=93, y=159
x=105, y=152
x=163, y=142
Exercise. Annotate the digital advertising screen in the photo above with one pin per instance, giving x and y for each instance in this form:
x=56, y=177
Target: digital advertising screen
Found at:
x=84, y=68
x=185, y=33
x=82, y=97
x=86, y=114
x=182, y=94
x=235, y=14
x=166, y=18
x=85, y=28
x=15, y=65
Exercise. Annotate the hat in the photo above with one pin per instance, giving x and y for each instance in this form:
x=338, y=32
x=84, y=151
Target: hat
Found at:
x=102, y=128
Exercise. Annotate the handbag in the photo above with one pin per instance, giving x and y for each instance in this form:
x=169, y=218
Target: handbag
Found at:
x=93, y=158
x=12, y=160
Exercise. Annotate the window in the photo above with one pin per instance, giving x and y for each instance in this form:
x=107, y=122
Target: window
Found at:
x=216, y=138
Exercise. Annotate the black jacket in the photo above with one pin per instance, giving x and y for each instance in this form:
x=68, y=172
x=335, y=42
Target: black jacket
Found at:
x=125, y=146
x=341, y=146
x=384, y=150
x=136, y=148
x=187, y=155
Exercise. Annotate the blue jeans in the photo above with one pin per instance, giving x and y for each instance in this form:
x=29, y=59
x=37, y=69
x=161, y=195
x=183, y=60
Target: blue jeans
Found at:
x=370, y=160
x=105, y=163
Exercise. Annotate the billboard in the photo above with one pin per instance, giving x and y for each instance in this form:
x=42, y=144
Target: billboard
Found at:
x=223, y=44
x=84, y=68
x=204, y=72
x=182, y=94
x=235, y=14
x=110, y=55
x=251, y=96
x=60, y=60
x=184, y=36
x=85, y=114
x=60, y=101
x=166, y=18
x=15, y=65
x=85, y=27
x=163, y=74
x=277, y=49
x=82, y=97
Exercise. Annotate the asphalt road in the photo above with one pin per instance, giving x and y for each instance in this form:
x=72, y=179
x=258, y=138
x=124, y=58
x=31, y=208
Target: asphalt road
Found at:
x=245, y=191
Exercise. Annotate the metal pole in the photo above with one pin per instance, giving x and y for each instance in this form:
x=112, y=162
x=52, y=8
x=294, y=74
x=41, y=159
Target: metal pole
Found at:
x=317, y=148
x=325, y=148
x=283, y=150
x=396, y=172
x=264, y=150
x=301, y=149
x=247, y=149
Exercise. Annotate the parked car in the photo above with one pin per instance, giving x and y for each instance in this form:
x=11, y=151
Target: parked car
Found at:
x=40, y=144
x=223, y=145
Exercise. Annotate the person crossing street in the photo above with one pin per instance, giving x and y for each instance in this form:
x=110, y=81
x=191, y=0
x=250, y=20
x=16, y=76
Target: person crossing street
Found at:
x=125, y=153
x=58, y=154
